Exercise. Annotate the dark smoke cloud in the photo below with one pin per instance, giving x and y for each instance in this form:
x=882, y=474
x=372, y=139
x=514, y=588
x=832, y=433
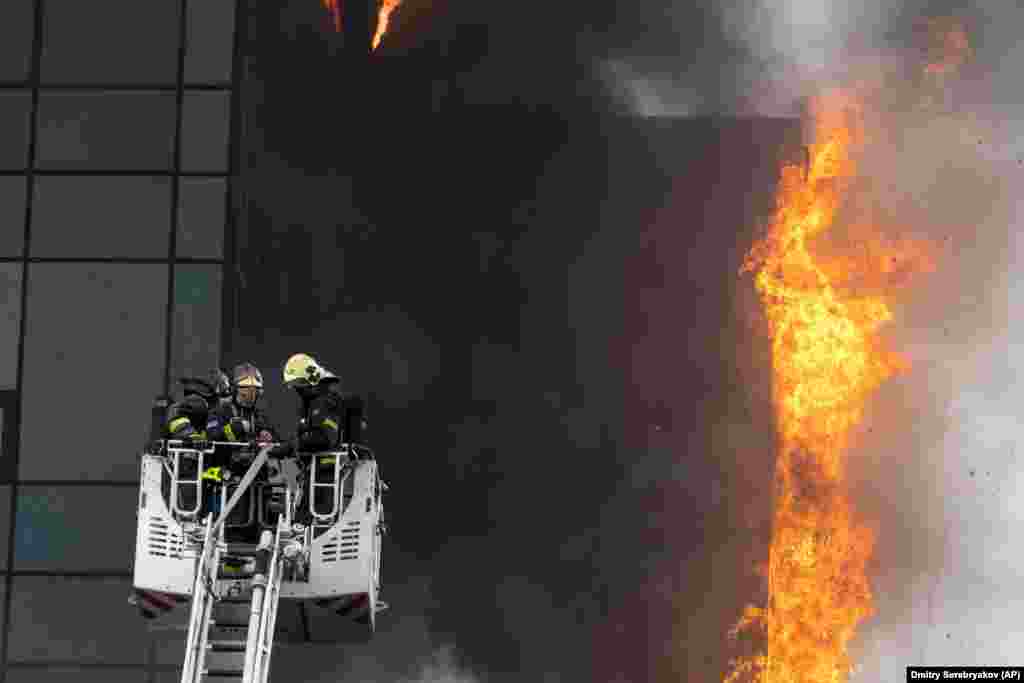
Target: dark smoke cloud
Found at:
x=532, y=507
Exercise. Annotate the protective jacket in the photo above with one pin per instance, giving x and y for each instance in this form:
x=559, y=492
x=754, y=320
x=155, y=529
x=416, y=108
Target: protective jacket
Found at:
x=232, y=422
x=328, y=418
x=187, y=418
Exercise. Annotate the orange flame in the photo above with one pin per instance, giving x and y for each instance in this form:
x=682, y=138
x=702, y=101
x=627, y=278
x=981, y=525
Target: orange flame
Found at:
x=824, y=315
x=334, y=8
x=383, y=19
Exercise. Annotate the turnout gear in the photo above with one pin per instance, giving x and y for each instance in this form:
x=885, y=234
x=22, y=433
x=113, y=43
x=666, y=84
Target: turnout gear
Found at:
x=326, y=416
x=233, y=422
x=239, y=418
x=236, y=418
x=187, y=418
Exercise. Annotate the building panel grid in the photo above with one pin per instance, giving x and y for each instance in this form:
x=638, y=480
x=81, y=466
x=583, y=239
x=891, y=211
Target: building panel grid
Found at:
x=199, y=234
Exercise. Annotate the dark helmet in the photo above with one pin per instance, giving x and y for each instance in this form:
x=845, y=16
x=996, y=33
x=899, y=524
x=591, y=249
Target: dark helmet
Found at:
x=197, y=388
x=248, y=383
x=220, y=383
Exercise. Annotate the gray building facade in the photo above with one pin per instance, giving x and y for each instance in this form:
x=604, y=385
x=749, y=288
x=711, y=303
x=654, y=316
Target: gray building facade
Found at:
x=116, y=159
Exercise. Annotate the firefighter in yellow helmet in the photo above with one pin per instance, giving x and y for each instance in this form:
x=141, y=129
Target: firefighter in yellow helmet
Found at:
x=327, y=417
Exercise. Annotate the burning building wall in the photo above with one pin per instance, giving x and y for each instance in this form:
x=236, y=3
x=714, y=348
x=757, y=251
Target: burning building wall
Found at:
x=936, y=168
x=496, y=364
x=543, y=299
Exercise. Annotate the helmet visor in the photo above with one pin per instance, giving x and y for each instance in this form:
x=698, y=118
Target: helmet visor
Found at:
x=248, y=395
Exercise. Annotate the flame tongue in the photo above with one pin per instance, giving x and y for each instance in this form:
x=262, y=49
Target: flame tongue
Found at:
x=383, y=17
x=334, y=9
x=827, y=360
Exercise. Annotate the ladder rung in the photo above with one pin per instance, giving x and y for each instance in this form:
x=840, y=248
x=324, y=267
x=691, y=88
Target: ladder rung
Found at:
x=223, y=673
x=224, y=576
x=227, y=645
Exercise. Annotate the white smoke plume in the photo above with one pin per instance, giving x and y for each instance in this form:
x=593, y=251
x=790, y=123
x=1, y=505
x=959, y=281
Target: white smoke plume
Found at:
x=799, y=44
x=443, y=668
x=650, y=89
x=768, y=57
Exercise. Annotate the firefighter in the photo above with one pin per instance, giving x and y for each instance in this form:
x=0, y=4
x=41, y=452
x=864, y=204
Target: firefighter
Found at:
x=327, y=417
x=240, y=418
x=187, y=419
x=237, y=418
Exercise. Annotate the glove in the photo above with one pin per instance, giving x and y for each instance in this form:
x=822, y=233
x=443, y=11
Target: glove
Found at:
x=196, y=440
x=312, y=440
x=240, y=459
x=264, y=436
x=282, y=450
x=240, y=428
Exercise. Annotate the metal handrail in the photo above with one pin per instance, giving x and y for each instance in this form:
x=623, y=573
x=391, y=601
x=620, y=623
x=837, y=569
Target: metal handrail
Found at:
x=202, y=603
x=177, y=481
x=250, y=517
x=271, y=598
x=263, y=612
x=314, y=484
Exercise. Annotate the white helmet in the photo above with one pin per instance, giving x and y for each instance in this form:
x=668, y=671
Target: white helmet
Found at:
x=247, y=375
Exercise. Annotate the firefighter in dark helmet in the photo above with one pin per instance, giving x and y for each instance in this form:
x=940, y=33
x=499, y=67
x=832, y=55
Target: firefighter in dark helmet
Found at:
x=187, y=419
x=240, y=418
x=237, y=418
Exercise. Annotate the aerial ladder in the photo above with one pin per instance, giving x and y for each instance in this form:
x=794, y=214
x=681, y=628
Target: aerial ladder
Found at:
x=219, y=647
x=329, y=559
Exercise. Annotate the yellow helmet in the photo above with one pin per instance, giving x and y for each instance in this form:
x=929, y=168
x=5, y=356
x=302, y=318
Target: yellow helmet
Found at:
x=301, y=369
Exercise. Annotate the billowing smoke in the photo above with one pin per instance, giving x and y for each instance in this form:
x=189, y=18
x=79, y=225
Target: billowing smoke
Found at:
x=746, y=58
x=649, y=91
x=798, y=44
x=443, y=668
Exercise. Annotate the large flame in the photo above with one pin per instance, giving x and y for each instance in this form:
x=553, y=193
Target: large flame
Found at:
x=824, y=314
